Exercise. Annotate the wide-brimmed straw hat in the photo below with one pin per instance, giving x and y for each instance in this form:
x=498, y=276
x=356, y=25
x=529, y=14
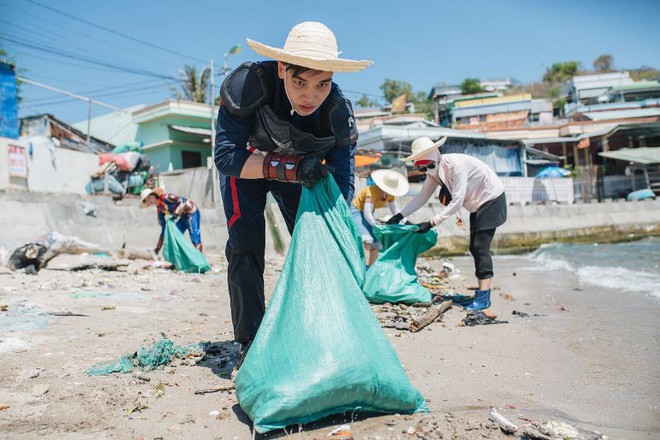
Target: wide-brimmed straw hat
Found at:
x=146, y=193
x=390, y=181
x=423, y=146
x=313, y=45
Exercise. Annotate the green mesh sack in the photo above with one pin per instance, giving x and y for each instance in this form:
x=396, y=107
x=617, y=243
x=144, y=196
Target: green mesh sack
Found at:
x=178, y=250
x=392, y=278
x=319, y=349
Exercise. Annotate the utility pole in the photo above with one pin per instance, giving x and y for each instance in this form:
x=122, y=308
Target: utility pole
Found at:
x=214, y=177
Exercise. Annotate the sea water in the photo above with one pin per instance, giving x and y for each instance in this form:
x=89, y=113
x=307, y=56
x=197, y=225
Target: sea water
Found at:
x=632, y=266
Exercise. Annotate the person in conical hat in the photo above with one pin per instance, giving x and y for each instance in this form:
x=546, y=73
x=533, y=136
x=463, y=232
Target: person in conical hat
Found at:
x=281, y=124
x=184, y=210
x=387, y=186
x=464, y=182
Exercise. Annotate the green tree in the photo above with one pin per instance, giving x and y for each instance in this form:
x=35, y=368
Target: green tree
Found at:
x=644, y=73
x=193, y=85
x=393, y=89
x=364, y=101
x=604, y=63
x=470, y=86
x=561, y=72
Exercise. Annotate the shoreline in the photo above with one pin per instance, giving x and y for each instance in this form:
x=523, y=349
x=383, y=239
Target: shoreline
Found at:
x=521, y=244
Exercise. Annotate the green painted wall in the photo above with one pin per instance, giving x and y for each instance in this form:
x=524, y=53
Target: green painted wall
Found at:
x=158, y=130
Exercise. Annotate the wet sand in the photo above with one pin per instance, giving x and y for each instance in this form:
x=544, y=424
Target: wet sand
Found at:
x=590, y=360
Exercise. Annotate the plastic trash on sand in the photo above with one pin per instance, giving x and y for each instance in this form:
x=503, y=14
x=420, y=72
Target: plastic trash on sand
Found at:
x=181, y=253
x=392, y=278
x=161, y=353
x=319, y=349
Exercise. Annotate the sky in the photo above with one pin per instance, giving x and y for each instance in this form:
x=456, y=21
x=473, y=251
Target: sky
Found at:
x=126, y=53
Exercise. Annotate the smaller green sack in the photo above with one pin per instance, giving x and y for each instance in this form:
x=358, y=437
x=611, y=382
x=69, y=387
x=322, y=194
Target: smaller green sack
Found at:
x=178, y=250
x=392, y=278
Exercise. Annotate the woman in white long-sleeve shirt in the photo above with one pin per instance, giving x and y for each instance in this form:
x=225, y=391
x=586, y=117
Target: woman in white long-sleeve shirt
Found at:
x=466, y=182
x=388, y=184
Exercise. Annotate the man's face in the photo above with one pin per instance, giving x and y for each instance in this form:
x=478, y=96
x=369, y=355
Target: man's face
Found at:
x=308, y=90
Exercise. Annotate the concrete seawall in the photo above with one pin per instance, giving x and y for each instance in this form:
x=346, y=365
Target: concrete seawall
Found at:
x=25, y=216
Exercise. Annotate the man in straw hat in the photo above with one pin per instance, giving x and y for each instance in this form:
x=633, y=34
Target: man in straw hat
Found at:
x=388, y=185
x=466, y=182
x=277, y=123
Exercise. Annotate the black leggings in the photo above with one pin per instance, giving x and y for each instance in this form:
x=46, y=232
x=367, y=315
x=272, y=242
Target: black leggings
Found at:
x=480, y=250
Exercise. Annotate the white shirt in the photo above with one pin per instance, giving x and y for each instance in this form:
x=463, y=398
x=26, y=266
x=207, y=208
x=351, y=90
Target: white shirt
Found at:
x=470, y=182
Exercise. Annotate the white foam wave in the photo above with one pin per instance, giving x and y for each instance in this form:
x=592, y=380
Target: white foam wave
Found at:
x=620, y=278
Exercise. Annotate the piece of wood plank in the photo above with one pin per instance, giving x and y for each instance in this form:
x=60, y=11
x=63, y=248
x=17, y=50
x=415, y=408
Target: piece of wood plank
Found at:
x=430, y=316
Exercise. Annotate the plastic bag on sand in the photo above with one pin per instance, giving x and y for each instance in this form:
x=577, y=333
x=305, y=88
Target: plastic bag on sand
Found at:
x=178, y=250
x=319, y=349
x=392, y=278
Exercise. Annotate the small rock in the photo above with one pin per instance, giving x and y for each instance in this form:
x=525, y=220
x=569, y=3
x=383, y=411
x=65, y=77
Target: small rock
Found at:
x=175, y=429
x=40, y=390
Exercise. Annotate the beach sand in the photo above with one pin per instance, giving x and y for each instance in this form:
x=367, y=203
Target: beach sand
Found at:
x=589, y=360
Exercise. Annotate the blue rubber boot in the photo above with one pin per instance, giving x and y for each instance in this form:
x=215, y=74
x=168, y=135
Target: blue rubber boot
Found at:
x=481, y=300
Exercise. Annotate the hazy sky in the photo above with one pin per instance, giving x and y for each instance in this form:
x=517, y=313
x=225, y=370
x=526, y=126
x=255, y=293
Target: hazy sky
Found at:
x=421, y=42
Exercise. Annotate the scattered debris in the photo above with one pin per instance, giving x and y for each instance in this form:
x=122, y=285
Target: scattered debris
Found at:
x=524, y=315
x=4, y=407
x=162, y=352
x=429, y=317
x=66, y=314
x=504, y=423
x=215, y=390
x=159, y=390
x=479, y=318
x=342, y=431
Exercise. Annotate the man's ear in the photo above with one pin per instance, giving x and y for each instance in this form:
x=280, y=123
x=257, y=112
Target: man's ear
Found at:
x=280, y=69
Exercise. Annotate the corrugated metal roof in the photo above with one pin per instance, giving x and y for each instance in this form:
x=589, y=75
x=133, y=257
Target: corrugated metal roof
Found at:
x=643, y=155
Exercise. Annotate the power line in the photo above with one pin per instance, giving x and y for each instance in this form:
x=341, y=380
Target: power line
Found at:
x=91, y=60
x=155, y=46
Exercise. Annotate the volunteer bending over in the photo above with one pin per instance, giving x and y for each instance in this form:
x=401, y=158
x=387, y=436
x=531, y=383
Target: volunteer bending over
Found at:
x=388, y=185
x=464, y=182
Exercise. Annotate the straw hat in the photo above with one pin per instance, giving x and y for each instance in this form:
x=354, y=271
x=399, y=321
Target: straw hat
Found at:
x=393, y=183
x=313, y=45
x=423, y=146
x=146, y=193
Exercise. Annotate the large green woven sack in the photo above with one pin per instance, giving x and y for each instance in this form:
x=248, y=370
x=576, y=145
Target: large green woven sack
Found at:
x=178, y=250
x=392, y=278
x=319, y=349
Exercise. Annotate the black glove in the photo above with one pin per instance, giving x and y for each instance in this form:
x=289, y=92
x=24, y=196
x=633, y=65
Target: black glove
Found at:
x=423, y=227
x=311, y=170
x=395, y=219
x=156, y=250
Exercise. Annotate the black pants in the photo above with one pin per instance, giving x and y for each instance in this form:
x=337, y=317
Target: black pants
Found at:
x=244, y=203
x=483, y=223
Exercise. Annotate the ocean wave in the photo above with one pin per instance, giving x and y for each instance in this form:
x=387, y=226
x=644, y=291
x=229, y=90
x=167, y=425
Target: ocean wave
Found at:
x=623, y=266
x=620, y=278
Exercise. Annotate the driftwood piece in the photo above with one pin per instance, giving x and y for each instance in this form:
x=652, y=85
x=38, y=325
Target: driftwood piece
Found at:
x=430, y=316
x=215, y=390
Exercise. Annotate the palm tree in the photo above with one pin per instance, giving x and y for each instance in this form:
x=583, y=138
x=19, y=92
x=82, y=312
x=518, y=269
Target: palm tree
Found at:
x=193, y=85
